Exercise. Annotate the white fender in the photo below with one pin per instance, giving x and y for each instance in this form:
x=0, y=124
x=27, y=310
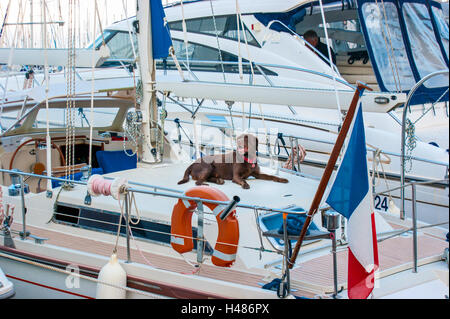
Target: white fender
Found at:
x=114, y=274
x=6, y=287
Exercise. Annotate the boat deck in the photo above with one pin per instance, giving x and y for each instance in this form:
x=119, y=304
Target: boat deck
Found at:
x=312, y=277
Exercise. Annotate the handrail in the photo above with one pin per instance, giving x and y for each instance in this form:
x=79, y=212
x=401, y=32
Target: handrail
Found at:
x=405, y=109
x=425, y=160
x=175, y=194
x=270, y=65
x=414, y=216
x=410, y=184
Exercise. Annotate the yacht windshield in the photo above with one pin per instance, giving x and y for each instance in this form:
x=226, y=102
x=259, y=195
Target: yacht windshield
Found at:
x=442, y=27
x=119, y=44
x=103, y=117
x=385, y=36
x=225, y=27
x=424, y=45
x=204, y=58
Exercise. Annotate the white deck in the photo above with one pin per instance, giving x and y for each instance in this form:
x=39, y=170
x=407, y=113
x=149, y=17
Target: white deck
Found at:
x=299, y=191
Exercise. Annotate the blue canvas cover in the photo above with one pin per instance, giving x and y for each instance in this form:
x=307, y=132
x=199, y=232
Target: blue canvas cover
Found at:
x=406, y=40
x=114, y=161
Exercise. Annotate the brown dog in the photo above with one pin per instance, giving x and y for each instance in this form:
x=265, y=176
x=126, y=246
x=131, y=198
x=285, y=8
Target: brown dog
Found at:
x=236, y=166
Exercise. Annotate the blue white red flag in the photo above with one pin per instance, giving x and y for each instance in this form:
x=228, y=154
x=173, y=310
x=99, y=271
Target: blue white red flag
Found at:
x=351, y=196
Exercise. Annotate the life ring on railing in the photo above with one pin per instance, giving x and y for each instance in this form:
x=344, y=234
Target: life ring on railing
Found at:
x=181, y=239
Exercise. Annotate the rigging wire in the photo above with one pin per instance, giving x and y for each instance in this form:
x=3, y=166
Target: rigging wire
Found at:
x=48, y=137
x=70, y=101
x=333, y=67
x=91, y=122
x=390, y=48
x=217, y=40
x=186, y=42
x=11, y=53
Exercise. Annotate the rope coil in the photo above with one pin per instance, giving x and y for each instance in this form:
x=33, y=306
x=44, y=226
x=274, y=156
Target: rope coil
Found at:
x=116, y=188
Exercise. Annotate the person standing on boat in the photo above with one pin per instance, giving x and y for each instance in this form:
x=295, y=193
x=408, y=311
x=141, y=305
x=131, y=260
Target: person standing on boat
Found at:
x=312, y=38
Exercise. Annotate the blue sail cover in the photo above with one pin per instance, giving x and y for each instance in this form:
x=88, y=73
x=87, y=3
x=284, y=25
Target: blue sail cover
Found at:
x=160, y=31
x=407, y=40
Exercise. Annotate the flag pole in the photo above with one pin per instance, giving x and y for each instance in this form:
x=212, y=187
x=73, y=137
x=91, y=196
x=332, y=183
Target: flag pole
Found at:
x=328, y=169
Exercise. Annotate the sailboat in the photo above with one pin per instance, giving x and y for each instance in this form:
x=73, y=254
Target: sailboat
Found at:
x=210, y=47
x=112, y=235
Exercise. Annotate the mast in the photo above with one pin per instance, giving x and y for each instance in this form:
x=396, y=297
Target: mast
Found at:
x=146, y=63
x=31, y=24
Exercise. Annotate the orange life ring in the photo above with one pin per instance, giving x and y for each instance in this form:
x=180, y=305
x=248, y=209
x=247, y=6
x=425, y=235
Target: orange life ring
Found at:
x=181, y=239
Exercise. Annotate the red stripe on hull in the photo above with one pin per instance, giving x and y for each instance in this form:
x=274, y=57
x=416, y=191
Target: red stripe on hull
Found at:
x=49, y=287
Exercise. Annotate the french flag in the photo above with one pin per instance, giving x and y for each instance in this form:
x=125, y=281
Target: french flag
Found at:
x=351, y=196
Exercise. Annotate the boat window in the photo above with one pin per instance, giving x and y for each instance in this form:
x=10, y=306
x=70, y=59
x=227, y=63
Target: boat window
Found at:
x=442, y=27
x=199, y=54
x=103, y=117
x=386, y=40
x=8, y=118
x=424, y=47
x=226, y=27
x=120, y=46
x=346, y=36
x=105, y=221
x=106, y=36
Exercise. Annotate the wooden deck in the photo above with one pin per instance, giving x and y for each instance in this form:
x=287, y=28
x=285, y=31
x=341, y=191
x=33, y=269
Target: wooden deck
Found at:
x=395, y=254
x=311, y=278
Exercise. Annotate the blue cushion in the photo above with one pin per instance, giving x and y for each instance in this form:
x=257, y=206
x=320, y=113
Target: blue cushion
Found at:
x=294, y=225
x=114, y=161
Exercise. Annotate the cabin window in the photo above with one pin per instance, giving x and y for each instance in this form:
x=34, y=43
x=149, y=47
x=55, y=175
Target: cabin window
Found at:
x=346, y=36
x=197, y=52
x=226, y=27
x=424, y=47
x=103, y=117
x=385, y=37
x=120, y=46
x=442, y=27
x=67, y=214
x=106, y=35
x=118, y=43
x=108, y=222
x=8, y=118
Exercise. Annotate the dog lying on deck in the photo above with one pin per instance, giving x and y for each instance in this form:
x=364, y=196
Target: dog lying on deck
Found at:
x=236, y=166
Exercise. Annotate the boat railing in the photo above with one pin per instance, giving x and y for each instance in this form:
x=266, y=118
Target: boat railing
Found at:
x=414, y=227
x=403, y=135
x=260, y=66
x=294, y=141
x=227, y=206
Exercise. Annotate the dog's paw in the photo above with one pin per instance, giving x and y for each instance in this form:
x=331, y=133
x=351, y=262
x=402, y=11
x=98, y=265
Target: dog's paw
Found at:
x=282, y=180
x=220, y=181
x=245, y=186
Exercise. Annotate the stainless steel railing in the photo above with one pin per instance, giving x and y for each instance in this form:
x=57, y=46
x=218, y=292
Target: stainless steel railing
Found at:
x=403, y=141
x=414, y=228
x=293, y=140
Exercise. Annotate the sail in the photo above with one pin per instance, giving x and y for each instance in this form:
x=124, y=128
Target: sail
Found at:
x=160, y=31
